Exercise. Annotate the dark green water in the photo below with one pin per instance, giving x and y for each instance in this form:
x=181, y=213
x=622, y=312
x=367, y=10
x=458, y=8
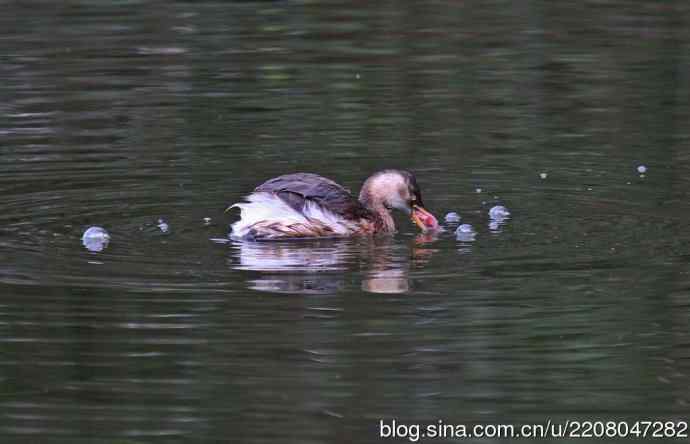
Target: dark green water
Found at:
x=121, y=113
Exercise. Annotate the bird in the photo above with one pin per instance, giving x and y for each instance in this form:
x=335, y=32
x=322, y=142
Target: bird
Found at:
x=306, y=205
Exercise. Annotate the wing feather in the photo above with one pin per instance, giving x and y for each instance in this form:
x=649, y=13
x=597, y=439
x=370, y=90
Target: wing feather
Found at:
x=299, y=188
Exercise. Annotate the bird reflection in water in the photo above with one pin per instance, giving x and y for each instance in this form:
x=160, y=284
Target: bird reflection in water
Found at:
x=326, y=265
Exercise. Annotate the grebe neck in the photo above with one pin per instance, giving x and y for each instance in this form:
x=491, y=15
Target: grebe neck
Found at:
x=381, y=215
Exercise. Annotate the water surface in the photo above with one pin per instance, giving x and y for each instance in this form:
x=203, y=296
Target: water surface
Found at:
x=121, y=114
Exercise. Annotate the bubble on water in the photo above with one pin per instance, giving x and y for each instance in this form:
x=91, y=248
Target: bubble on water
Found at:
x=163, y=225
x=95, y=239
x=641, y=169
x=499, y=213
x=543, y=175
x=465, y=228
x=465, y=233
x=452, y=217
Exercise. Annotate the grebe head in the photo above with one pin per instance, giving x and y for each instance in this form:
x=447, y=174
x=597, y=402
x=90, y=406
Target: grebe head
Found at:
x=397, y=189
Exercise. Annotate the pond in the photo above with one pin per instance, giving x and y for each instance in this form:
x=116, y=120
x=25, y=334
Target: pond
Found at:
x=150, y=119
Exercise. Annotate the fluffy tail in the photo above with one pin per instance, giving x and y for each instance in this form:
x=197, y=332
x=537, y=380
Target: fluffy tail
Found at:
x=267, y=217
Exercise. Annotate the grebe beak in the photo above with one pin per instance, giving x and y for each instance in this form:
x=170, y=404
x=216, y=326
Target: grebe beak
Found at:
x=424, y=220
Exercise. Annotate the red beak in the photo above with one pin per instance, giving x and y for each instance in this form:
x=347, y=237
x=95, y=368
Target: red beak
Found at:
x=424, y=220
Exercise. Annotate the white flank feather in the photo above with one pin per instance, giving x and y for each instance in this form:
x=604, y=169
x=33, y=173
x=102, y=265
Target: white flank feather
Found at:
x=267, y=207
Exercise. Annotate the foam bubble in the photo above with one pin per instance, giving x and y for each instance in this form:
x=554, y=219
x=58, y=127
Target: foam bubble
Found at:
x=452, y=217
x=499, y=212
x=95, y=239
x=465, y=233
x=163, y=225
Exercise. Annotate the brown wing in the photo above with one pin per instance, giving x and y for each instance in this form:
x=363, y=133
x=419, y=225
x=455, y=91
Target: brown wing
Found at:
x=296, y=189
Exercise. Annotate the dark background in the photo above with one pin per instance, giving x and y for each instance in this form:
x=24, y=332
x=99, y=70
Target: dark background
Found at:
x=120, y=113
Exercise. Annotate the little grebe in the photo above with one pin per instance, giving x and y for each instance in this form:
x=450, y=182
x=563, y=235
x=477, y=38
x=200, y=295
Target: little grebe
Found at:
x=304, y=205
